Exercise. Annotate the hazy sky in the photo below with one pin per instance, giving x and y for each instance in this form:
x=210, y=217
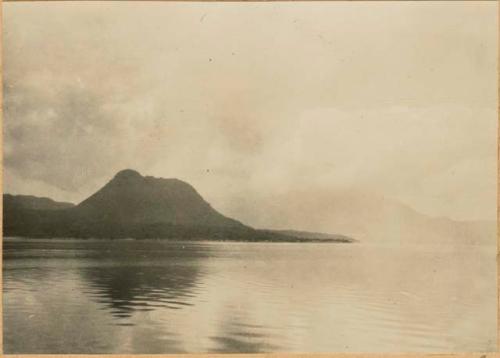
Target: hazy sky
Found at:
x=246, y=98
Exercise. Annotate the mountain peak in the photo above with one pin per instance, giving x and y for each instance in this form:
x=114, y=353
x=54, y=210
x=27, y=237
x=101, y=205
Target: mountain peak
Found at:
x=132, y=199
x=128, y=174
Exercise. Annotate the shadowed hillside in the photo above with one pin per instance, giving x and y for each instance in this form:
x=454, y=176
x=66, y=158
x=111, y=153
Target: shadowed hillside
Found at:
x=134, y=206
x=132, y=198
x=20, y=202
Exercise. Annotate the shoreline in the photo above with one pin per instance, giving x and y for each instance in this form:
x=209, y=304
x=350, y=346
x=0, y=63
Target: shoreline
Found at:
x=94, y=239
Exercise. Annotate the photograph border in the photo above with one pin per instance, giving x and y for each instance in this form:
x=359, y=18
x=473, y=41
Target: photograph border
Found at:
x=270, y=355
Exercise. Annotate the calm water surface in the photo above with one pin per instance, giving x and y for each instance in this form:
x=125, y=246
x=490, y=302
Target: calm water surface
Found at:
x=107, y=296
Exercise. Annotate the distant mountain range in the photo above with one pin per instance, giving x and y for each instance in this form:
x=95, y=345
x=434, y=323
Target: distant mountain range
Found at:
x=136, y=206
x=366, y=216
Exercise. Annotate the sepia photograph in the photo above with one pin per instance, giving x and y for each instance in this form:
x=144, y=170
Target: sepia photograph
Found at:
x=249, y=177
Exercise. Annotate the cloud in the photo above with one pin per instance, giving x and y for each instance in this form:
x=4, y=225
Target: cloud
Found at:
x=256, y=98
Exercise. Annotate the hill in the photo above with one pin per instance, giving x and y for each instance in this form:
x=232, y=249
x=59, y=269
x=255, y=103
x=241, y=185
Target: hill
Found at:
x=132, y=198
x=20, y=202
x=134, y=206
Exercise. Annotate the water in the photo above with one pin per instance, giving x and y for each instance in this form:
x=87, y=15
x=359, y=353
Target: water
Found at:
x=79, y=296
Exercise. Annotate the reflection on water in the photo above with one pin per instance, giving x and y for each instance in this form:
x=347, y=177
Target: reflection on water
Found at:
x=125, y=283
x=125, y=289
x=108, y=296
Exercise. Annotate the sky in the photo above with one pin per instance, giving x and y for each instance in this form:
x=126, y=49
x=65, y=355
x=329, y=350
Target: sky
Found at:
x=255, y=99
